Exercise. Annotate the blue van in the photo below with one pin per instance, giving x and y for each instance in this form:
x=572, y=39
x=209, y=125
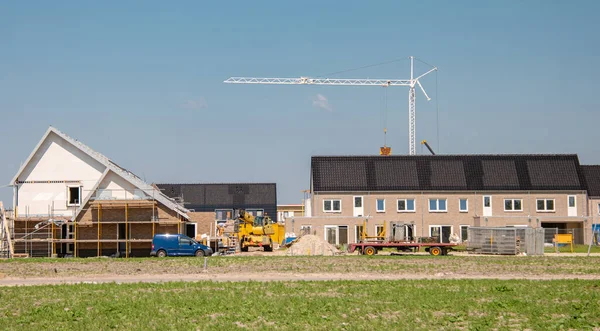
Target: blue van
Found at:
x=177, y=245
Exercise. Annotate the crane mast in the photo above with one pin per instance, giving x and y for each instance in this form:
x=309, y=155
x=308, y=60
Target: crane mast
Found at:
x=411, y=83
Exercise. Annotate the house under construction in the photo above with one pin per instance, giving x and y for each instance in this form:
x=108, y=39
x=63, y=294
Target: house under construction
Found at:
x=72, y=201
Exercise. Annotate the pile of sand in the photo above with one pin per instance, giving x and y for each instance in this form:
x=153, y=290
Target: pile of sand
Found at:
x=312, y=245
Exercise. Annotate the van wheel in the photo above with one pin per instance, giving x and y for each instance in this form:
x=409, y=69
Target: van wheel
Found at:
x=199, y=253
x=161, y=253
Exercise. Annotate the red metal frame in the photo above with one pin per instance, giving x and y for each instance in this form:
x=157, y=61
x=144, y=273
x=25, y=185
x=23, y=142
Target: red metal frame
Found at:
x=377, y=245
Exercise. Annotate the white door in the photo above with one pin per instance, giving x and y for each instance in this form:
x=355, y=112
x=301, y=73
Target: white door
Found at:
x=572, y=201
x=358, y=207
x=487, y=205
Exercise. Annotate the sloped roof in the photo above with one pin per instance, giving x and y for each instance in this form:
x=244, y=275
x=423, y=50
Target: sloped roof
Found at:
x=447, y=173
x=226, y=195
x=110, y=165
x=592, y=177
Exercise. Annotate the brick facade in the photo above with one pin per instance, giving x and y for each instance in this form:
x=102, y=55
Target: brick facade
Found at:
x=422, y=219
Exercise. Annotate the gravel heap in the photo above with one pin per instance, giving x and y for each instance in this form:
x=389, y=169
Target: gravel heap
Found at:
x=312, y=245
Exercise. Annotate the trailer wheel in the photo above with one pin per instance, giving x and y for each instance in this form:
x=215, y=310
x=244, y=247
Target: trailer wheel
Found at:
x=435, y=251
x=370, y=250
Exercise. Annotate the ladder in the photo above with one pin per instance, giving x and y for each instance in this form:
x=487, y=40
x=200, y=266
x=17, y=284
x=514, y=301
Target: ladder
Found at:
x=6, y=244
x=233, y=245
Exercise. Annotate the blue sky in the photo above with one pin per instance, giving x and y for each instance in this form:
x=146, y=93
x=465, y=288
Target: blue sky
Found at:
x=141, y=82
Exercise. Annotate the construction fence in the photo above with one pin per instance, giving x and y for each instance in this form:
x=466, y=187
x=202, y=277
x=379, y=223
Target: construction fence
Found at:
x=577, y=235
x=506, y=241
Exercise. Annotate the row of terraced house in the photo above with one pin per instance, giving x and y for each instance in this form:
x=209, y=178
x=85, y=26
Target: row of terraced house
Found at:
x=72, y=200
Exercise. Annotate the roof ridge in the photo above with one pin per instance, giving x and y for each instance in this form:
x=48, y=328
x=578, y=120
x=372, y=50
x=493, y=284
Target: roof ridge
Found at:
x=445, y=155
x=240, y=183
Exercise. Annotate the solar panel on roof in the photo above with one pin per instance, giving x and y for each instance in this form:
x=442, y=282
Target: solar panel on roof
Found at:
x=499, y=173
x=390, y=174
x=341, y=175
x=218, y=194
x=553, y=173
x=447, y=174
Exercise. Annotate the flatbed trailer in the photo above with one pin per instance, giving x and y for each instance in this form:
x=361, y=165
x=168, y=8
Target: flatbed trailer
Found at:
x=371, y=248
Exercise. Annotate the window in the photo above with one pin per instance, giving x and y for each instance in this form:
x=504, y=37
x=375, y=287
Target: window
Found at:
x=256, y=212
x=357, y=202
x=359, y=230
x=401, y=232
x=184, y=241
x=305, y=230
x=380, y=204
x=463, y=205
x=464, y=232
x=487, y=201
x=336, y=234
x=441, y=233
x=223, y=214
x=74, y=195
x=513, y=205
x=437, y=205
x=545, y=204
x=332, y=206
x=406, y=205
x=379, y=230
x=571, y=201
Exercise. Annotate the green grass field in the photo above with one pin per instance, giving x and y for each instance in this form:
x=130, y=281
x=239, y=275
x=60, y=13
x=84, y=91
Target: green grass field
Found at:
x=576, y=249
x=350, y=305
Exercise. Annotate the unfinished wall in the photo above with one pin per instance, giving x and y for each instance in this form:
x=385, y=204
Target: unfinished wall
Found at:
x=204, y=222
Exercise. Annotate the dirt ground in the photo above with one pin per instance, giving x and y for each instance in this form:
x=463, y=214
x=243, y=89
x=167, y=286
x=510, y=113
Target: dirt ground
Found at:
x=265, y=266
x=263, y=277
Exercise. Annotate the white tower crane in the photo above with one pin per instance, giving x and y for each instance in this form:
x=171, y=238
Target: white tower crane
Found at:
x=411, y=83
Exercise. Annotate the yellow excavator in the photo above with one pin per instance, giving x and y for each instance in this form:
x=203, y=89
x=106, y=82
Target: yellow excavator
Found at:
x=256, y=231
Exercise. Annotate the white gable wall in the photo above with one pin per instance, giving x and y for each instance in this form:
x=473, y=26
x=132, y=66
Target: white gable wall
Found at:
x=116, y=187
x=55, y=160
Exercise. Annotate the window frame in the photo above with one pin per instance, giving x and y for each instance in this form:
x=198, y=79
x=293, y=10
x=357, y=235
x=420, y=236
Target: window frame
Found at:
x=460, y=227
x=440, y=226
x=337, y=233
x=251, y=210
x=569, y=201
x=490, y=199
x=78, y=203
x=377, y=227
x=303, y=229
x=406, y=206
x=332, y=204
x=358, y=232
x=224, y=210
x=438, y=210
x=377, y=205
x=358, y=198
x=466, y=210
x=545, y=210
x=513, y=205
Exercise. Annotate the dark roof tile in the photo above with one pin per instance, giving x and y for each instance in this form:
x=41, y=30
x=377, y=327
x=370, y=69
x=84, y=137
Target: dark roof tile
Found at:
x=499, y=173
x=207, y=197
x=592, y=178
x=447, y=173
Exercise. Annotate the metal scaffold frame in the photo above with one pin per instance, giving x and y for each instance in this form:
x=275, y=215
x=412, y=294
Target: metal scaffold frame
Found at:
x=50, y=231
